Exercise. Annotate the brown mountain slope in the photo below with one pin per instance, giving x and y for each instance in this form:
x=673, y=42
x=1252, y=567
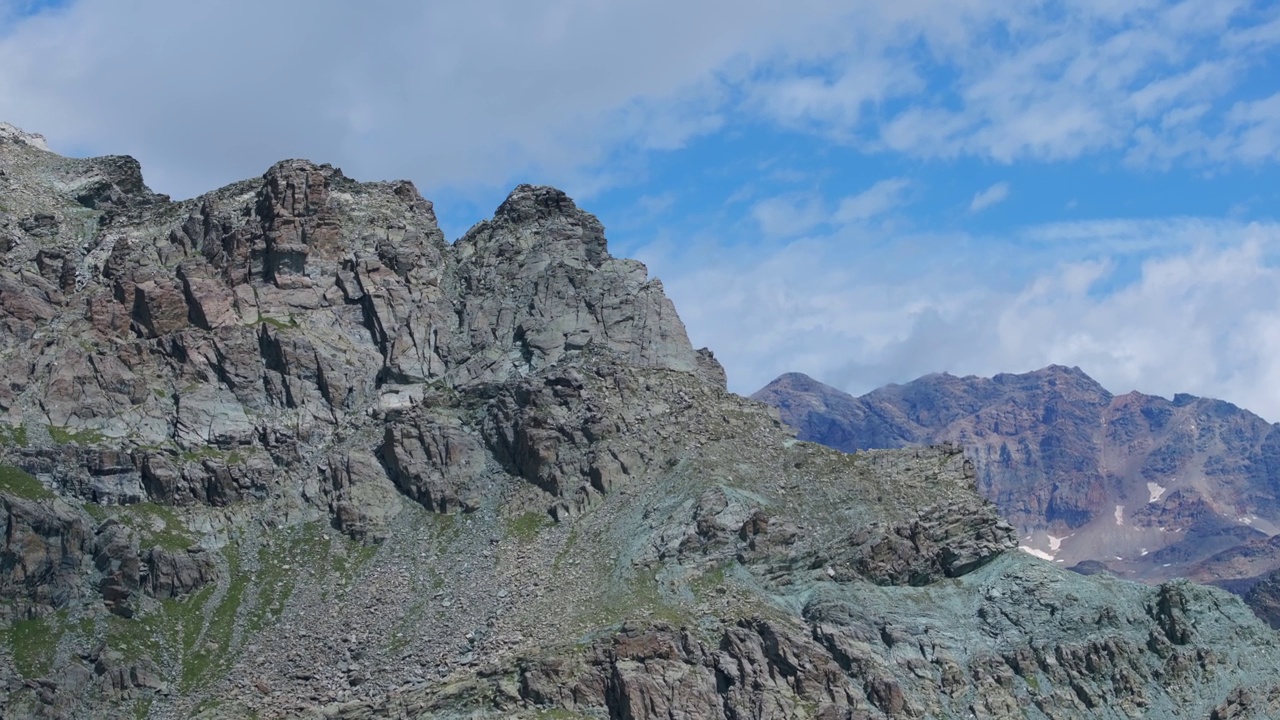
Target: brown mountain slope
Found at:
x=1152, y=488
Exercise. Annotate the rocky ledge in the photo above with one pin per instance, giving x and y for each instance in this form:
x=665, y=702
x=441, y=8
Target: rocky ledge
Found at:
x=283, y=451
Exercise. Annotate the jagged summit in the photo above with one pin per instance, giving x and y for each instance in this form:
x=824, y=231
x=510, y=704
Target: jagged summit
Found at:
x=795, y=379
x=538, y=203
x=10, y=133
x=282, y=451
x=538, y=219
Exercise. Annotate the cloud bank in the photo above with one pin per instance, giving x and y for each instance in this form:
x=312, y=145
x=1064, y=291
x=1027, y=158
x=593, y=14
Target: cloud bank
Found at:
x=455, y=93
x=1201, y=314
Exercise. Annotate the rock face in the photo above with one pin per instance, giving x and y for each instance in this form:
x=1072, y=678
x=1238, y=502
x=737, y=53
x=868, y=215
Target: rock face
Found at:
x=46, y=545
x=1141, y=486
x=282, y=451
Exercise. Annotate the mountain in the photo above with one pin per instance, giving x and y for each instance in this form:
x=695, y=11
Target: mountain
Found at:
x=283, y=451
x=1146, y=487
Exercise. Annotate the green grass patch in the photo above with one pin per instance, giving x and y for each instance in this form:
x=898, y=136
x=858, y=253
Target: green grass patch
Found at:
x=203, y=635
x=13, y=435
x=164, y=528
x=66, y=436
x=201, y=665
x=277, y=323
x=709, y=581
x=527, y=526
x=569, y=544
x=16, y=481
x=158, y=525
x=33, y=643
x=185, y=632
x=275, y=578
x=560, y=714
x=306, y=549
x=640, y=598
x=208, y=705
x=170, y=630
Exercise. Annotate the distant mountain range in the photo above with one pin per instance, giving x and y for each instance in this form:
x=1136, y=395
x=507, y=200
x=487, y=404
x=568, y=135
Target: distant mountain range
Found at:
x=1141, y=486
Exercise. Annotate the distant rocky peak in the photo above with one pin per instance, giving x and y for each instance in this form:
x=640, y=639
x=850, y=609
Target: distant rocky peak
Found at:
x=800, y=383
x=1061, y=374
x=542, y=220
x=14, y=134
x=295, y=188
x=534, y=203
x=795, y=378
x=114, y=182
x=110, y=183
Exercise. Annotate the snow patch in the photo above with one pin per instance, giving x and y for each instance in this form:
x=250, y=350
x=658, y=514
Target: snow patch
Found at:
x=1156, y=490
x=1119, y=514
x=1037, y=553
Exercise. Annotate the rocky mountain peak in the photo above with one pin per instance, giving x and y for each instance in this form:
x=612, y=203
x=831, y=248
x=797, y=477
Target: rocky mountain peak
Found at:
x=1069, y=379
x=114, y=183
x=796, y=380
x=528, y=203
x=10, y=133
x=1054, y=369
x=542, y=221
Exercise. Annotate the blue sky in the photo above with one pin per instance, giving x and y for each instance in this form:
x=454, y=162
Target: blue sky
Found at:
x=862, y=191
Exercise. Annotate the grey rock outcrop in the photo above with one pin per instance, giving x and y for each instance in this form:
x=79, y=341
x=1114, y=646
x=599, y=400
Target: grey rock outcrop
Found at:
x=46, y=547
x=944, y=541
x=175, y=573
x=358, y=495
x=434, y=459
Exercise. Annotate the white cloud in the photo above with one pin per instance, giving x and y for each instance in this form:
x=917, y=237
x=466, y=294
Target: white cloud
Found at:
x=447, y=93
x=841, y=102
x=456, y=94
x=1200, y=82
x=1205, y=321
x=1188, y=305
x=1029, y=83
x=993, y=195
x=876, y=200
x=1248, y=133
x=789, y=215
x=1256, y=129
x=793, y=214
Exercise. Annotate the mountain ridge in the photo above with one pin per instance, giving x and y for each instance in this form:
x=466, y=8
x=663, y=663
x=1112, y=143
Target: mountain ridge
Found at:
x=1059, y=453
x=281, y=451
